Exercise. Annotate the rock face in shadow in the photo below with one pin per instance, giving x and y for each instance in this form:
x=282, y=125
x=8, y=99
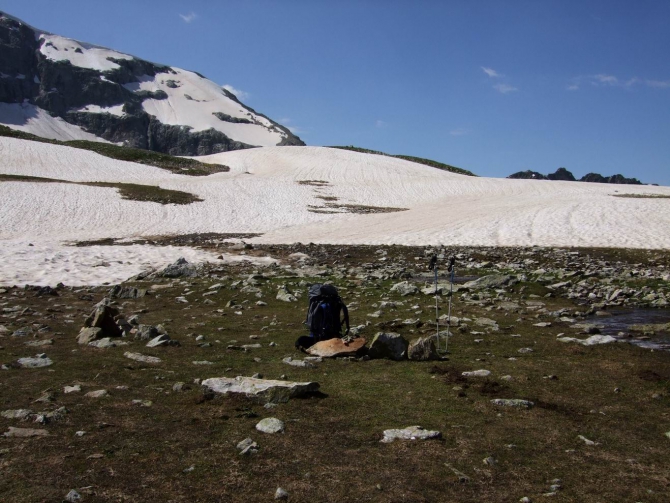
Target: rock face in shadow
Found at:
x=60, y=88
x=565, y=175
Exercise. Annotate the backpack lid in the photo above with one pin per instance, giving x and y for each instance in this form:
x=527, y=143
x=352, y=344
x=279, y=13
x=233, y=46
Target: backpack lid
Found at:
x=319, y=290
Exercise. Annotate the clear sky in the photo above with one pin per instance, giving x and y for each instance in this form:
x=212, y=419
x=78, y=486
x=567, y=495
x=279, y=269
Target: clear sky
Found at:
x=492, y=86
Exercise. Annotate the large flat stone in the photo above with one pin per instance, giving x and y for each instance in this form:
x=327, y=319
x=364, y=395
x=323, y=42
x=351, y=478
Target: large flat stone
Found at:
x=265, y=390
x=141, y=358
x=410, y=433
x=333, y=348
x=25, y=432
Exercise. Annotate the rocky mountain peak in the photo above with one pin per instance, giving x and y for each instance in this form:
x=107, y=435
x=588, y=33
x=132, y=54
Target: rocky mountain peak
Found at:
x=64, y=89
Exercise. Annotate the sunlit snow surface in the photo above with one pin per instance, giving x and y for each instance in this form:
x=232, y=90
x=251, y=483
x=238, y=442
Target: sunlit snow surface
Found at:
x=262, y=194
x=31, y=119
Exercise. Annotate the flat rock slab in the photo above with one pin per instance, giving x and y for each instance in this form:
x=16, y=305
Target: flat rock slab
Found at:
x=513, y=402
x=298, y=363
x=25, y=432
x=332, y=348
x=410, y=433
x=477, y=373
x=141, y=358
x=33, y=363
x=266, y=390
x=270, y=425
x=16, y=414
x=589, y=341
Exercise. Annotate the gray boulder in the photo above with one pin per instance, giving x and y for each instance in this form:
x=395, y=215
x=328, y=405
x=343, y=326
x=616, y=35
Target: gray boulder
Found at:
x=388, y=345
x=270, y=425
x=127, y=292
x=181, y=268
x=160, y=340
x=404, y=288
x=284, y=294
x=491, y=281
x=146, y=332
x=423, y=349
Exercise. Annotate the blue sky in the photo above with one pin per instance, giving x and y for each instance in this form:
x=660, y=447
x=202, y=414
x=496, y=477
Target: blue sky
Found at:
x=491, y=86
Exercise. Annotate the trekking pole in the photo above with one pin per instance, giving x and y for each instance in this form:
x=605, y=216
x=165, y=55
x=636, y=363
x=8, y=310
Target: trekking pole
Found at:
x=452, y=272
x=433, y=266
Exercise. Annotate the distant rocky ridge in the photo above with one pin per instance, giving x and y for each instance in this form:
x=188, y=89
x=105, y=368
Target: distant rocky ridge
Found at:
x=120, y=98
x=565, y=175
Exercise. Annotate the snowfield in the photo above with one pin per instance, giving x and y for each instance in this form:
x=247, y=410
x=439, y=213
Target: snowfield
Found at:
x=32, y=119
x=280, y=191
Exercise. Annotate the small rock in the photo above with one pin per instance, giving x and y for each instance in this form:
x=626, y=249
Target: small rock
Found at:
x=477, y=373
x=72, y=496
x=141, y=358
x=97, y=394
x=37, y=362
x=513, y=402
x=25, y=432
x=270, y=425
x=281, y=494
x=586, y=440
x=410, y=433
x=16, y=414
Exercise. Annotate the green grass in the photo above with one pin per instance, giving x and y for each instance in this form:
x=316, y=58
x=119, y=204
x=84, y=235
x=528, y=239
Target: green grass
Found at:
x=331, y=451
x=170, y=163
x=419, y=160
x=130, y=191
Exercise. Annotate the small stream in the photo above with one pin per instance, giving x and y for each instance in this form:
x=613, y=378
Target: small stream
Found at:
x=621, y=320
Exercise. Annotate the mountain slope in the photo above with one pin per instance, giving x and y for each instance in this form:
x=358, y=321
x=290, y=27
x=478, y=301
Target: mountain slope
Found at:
x=63, y=89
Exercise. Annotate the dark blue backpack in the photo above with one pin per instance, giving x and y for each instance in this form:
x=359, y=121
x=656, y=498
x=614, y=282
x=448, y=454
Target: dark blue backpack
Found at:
x=324, y=314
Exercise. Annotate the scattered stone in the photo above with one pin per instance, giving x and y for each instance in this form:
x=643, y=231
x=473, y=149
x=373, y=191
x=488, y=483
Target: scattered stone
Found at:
x=266, y=390
x=73, y=496
x=43, y=342
x=333, y=348
x=298, y=363
x=423, y=350
x=102, y=317
x=247, y=447
x=89, y=334
x=491, y=281
x=270, y=425
x=590, y=341
x=202, y=362
x=284, y=294
x=72, y=389
x=142, y=403
x=525, y=351
x=141, y=358
x=25, y=433
x=107, y=342
x=180, y=386
x=281, y=494
x=389, y=345
x=127, y=292
x=181, y=268
x=410, y=433
x=97, y=394
x=161, y=340
x=404, y=288
x=490, y=461
x=33, y=363
x=586, y=440
x=513, y=402
x=477, y=373
x=146, y=332
x=462, y=477
x=542, y=324
x=21, y=414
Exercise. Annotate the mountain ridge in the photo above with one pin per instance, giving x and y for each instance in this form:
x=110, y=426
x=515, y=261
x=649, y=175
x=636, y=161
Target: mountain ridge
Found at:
x=66, y=89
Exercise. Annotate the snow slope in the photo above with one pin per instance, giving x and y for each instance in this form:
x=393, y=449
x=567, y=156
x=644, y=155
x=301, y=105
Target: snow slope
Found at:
x=276, y=190
x=31, y=119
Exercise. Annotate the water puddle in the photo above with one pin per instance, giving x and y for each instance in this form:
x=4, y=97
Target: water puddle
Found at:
x=622, y=319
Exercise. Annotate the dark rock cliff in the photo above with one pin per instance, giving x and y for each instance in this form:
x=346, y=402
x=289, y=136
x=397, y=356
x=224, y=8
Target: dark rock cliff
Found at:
x=27, y=76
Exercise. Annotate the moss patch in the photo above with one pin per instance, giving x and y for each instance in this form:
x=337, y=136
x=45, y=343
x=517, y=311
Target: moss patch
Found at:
x=170, y=163
x=130, y=191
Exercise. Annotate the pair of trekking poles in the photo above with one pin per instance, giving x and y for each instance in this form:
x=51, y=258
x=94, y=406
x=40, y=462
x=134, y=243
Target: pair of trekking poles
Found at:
x=452, y=274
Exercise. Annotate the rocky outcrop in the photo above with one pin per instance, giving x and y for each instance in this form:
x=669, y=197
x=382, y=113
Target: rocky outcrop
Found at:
x=61, y=88
x=562, y=174
x=527, y=175
x=388, y=345
x=616, y=179
x=565, y=175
